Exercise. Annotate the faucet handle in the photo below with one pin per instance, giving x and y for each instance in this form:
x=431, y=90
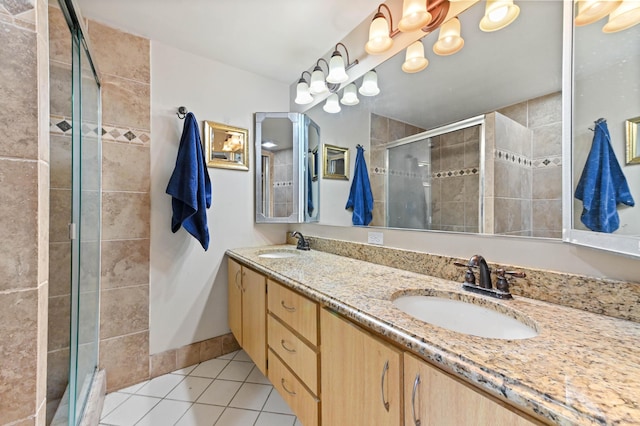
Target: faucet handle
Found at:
x=502, y=283
x=469, y=276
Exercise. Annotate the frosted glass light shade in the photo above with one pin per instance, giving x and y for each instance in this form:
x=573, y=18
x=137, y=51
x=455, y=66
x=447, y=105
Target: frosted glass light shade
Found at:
x=625, y=16
x=590, y=11
x=350, y=95
x=449, y=40
x=317, y=85
x=414, y=15
x=379, y=39
x=498, y=14
x=331, y=105
x=414, y=58
x=303, y=96
x=337, y=73
x=369, y=84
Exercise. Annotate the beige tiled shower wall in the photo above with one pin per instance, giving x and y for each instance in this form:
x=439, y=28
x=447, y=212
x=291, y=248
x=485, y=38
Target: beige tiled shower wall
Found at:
x=123, y=61
x=24, y=210
x=543, y=116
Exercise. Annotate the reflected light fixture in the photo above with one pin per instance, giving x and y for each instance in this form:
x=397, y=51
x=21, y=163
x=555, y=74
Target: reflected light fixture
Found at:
x=303, y=95
x=414, y=59
x=350, y=95
x=317, y=86
x=414, y=15
x=625, y=16
x=449, y=40
x=331, y=105
x=590, y=11
x=269, y=144
x=498, y=14
x=380, y=32
x=369, y=85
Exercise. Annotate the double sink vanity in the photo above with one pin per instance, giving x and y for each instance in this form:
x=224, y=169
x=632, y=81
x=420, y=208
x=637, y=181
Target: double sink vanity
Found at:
x=351, y=342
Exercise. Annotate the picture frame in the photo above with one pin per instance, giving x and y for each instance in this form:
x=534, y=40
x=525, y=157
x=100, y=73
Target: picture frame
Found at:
x=633, y=154
x=336, y=162
x=226, y=147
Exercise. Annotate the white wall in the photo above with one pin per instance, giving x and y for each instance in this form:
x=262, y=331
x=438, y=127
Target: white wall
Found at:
x=188, y=296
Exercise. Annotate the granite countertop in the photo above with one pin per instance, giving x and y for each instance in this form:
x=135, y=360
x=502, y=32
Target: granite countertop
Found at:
x=582, y=368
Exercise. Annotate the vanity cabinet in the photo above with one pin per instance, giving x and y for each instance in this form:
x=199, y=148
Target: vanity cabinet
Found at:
x=247, y=311
x=434, y=398
x=293, y=350
x=361, y=376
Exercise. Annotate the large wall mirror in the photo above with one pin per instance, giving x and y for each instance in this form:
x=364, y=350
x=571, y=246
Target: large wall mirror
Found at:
x=604, y=75
x=473, y=143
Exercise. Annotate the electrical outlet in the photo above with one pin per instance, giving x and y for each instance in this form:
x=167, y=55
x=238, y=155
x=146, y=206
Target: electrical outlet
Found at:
x=375, y=238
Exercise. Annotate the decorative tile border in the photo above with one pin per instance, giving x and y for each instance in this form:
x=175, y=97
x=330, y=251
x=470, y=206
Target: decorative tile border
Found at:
x=283, y=184
x=547, y=162
x=508, y=156
x=435, y=175
x=63, y=126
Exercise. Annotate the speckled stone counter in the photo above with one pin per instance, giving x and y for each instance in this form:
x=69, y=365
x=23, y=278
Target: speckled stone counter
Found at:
x=582, y=368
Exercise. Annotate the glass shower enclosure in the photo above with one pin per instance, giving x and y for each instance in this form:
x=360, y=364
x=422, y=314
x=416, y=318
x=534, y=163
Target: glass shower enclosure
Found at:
x=78, y=152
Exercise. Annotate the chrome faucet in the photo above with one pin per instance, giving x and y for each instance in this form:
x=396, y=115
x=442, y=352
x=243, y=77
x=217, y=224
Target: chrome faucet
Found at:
x=302, y=243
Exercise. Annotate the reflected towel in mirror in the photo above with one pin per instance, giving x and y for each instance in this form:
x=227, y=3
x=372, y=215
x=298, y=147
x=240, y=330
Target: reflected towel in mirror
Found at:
x=602, y=185
x=190, y=186
x=360, y=195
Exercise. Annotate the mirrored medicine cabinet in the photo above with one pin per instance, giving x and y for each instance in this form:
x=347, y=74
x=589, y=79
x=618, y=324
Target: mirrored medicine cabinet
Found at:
x=287, y=151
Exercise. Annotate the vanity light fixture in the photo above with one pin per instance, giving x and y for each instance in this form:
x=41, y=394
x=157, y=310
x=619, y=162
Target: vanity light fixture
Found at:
x=414, y=59
x=626, y=15
x=380, y=32
x=337, y=67
x=498, y=14
x=369, y=85
x=350, y=95
x=303, y=95
x=449, y=40
x=332, y=106
x=317, y=86
x=414, y=15
x=590, y=11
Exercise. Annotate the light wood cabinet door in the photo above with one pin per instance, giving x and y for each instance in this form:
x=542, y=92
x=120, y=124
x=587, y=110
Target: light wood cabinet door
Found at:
x=361, y=376
x=234, y=305
x=434, y=398
x=254, y=317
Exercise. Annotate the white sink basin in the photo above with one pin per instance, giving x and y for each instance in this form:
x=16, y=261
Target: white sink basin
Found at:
x=278, y=254
x=464, y=317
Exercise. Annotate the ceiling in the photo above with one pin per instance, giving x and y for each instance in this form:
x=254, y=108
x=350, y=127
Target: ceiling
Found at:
x=274, y=38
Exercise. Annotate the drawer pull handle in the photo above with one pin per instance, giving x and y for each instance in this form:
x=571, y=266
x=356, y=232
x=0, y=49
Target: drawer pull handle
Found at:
x=416, y=382
x=285, y=388
x=287, y=308
x=282, y=343
x=385, y=369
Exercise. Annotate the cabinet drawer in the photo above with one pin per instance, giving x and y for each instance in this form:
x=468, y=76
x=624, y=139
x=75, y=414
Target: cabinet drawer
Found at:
x=295, y=310
x=298, y=356
x=302, y=403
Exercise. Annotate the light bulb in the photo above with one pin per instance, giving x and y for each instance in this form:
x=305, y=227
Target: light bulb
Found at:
x=331, y=105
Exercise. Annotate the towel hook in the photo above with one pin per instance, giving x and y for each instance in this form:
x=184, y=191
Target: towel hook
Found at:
x=182, y=112
x=598, y=121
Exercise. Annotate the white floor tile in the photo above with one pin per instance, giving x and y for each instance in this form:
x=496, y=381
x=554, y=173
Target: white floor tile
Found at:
x=189, y=389
x=256, y=376
x=221, y=392
x=166, y=413
x=275, y=404
x=134, y=388
x=237, y=417
x=111, y=401
x=160, y=386
x=251, y=396
x=210, y=368
x=185, y=371
x=229, y=356
x=242, y=356
x=273, y=419
x=131, y=411
x=236, y=370
x=201, y=415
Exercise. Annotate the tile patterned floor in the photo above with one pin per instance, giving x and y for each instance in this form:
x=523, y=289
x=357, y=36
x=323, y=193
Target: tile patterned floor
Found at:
x=226, y=391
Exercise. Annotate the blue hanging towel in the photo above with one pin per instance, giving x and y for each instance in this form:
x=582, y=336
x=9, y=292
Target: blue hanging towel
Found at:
x=360, y=196
x=602, y=185
x=310, y=207
x=190, y=185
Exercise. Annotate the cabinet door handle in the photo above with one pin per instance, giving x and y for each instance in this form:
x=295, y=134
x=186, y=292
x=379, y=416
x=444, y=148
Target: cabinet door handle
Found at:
x=385, y=369
x=238, y=282
x=285, y=388
x=287, y=308
x=416, y=382
x=282, y=343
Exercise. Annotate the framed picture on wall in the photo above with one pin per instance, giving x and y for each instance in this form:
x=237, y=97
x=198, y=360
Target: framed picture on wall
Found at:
x=226, y=147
